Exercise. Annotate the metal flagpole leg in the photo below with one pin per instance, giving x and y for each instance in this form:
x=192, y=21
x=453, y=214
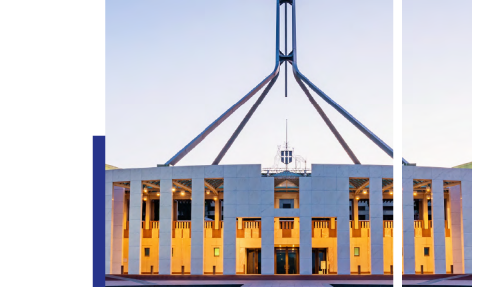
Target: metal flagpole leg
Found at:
x=184, y=151
x=327, y=121
x=244, y=122
x=387, y=149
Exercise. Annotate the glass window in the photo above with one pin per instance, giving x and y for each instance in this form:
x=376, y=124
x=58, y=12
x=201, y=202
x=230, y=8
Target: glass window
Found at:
x=146, y=251
x=426, y=251
x=216, y=252
x=356, y=251
x=286, y=203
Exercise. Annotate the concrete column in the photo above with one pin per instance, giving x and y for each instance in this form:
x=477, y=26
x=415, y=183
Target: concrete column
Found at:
x=448, y=212
x=305, y=256
x=467, y=222
x=217, y=213
x=229, y=228
x=116, y=262
x=438, y=227
x=125, y=212
x=408, y=227
x=135, y=228
x=456, y=229
x=425, y=209
x=343, y=236
x=108, y=234
x=376, y=226
x=355, y=213
x=267, y=228
x=197, y=225
x=148, y=211
x=165, y=241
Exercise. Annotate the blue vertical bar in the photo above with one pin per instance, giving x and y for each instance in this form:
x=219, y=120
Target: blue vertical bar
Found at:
x=98, y=210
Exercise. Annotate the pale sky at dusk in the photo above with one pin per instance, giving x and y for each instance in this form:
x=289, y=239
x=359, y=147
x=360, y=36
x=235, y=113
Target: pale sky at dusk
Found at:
x=437, y=82
x=172, y=67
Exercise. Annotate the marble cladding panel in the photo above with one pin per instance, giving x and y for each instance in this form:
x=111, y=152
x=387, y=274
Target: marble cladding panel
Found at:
x=153, y=173
x=408, y=172
x=330, y=170
x=305, y=183
x=358, y=170
x=120, y=174
x=214, y=171
x=267, y=265
x=343, y=184
x=422, y=172
x=108, y=176
x=230, y=171
x=317, y=170
x=164, y=266
x=135, y=174
x=166, y=172
x=267, y=184
x=375, y=171
x=248, y=170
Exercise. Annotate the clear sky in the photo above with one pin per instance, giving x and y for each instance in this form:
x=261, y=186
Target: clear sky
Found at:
x=172, y=67
x=437, y=82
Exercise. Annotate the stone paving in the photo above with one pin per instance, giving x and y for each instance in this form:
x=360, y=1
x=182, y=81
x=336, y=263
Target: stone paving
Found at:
x=271, y=281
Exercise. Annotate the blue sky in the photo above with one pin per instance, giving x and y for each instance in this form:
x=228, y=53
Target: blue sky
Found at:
x=172, y=67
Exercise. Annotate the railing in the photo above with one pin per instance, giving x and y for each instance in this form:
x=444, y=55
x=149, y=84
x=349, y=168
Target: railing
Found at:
x=361, y=224
x=321, y=224
x=388, y=224
x=211, y=224
x=286, y=224
x=182, y=224
x=251, y=224
x=152, y=224
x=418, y=224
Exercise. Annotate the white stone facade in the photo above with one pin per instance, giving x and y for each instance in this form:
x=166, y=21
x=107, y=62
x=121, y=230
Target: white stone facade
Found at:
x=323, y=194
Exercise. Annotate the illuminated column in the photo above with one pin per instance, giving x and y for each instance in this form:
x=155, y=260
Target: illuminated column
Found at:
x=376, y=226
x=438, y=227
x=116, y=262
x=305, y=225
x=135, y=228
x=108, y=234
x=267, y=221
x=343, y=237
x=217, y=213
x=197, y=220
x=148, y=211
x=456, y=229
x=165, y=241
x=425, y=209
x=448, y=211
x=467, y=223
x=408, y=225
x=355, y=214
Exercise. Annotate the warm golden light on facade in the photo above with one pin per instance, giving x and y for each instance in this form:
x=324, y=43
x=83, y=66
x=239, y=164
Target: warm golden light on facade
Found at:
x=173, y=188
x=145, y=190
x=365, y=192
x=182, y=192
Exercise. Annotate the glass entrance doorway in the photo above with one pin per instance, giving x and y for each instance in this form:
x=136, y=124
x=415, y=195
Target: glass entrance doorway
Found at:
x=253, y=261
x=286, y=260
x=319, y=261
